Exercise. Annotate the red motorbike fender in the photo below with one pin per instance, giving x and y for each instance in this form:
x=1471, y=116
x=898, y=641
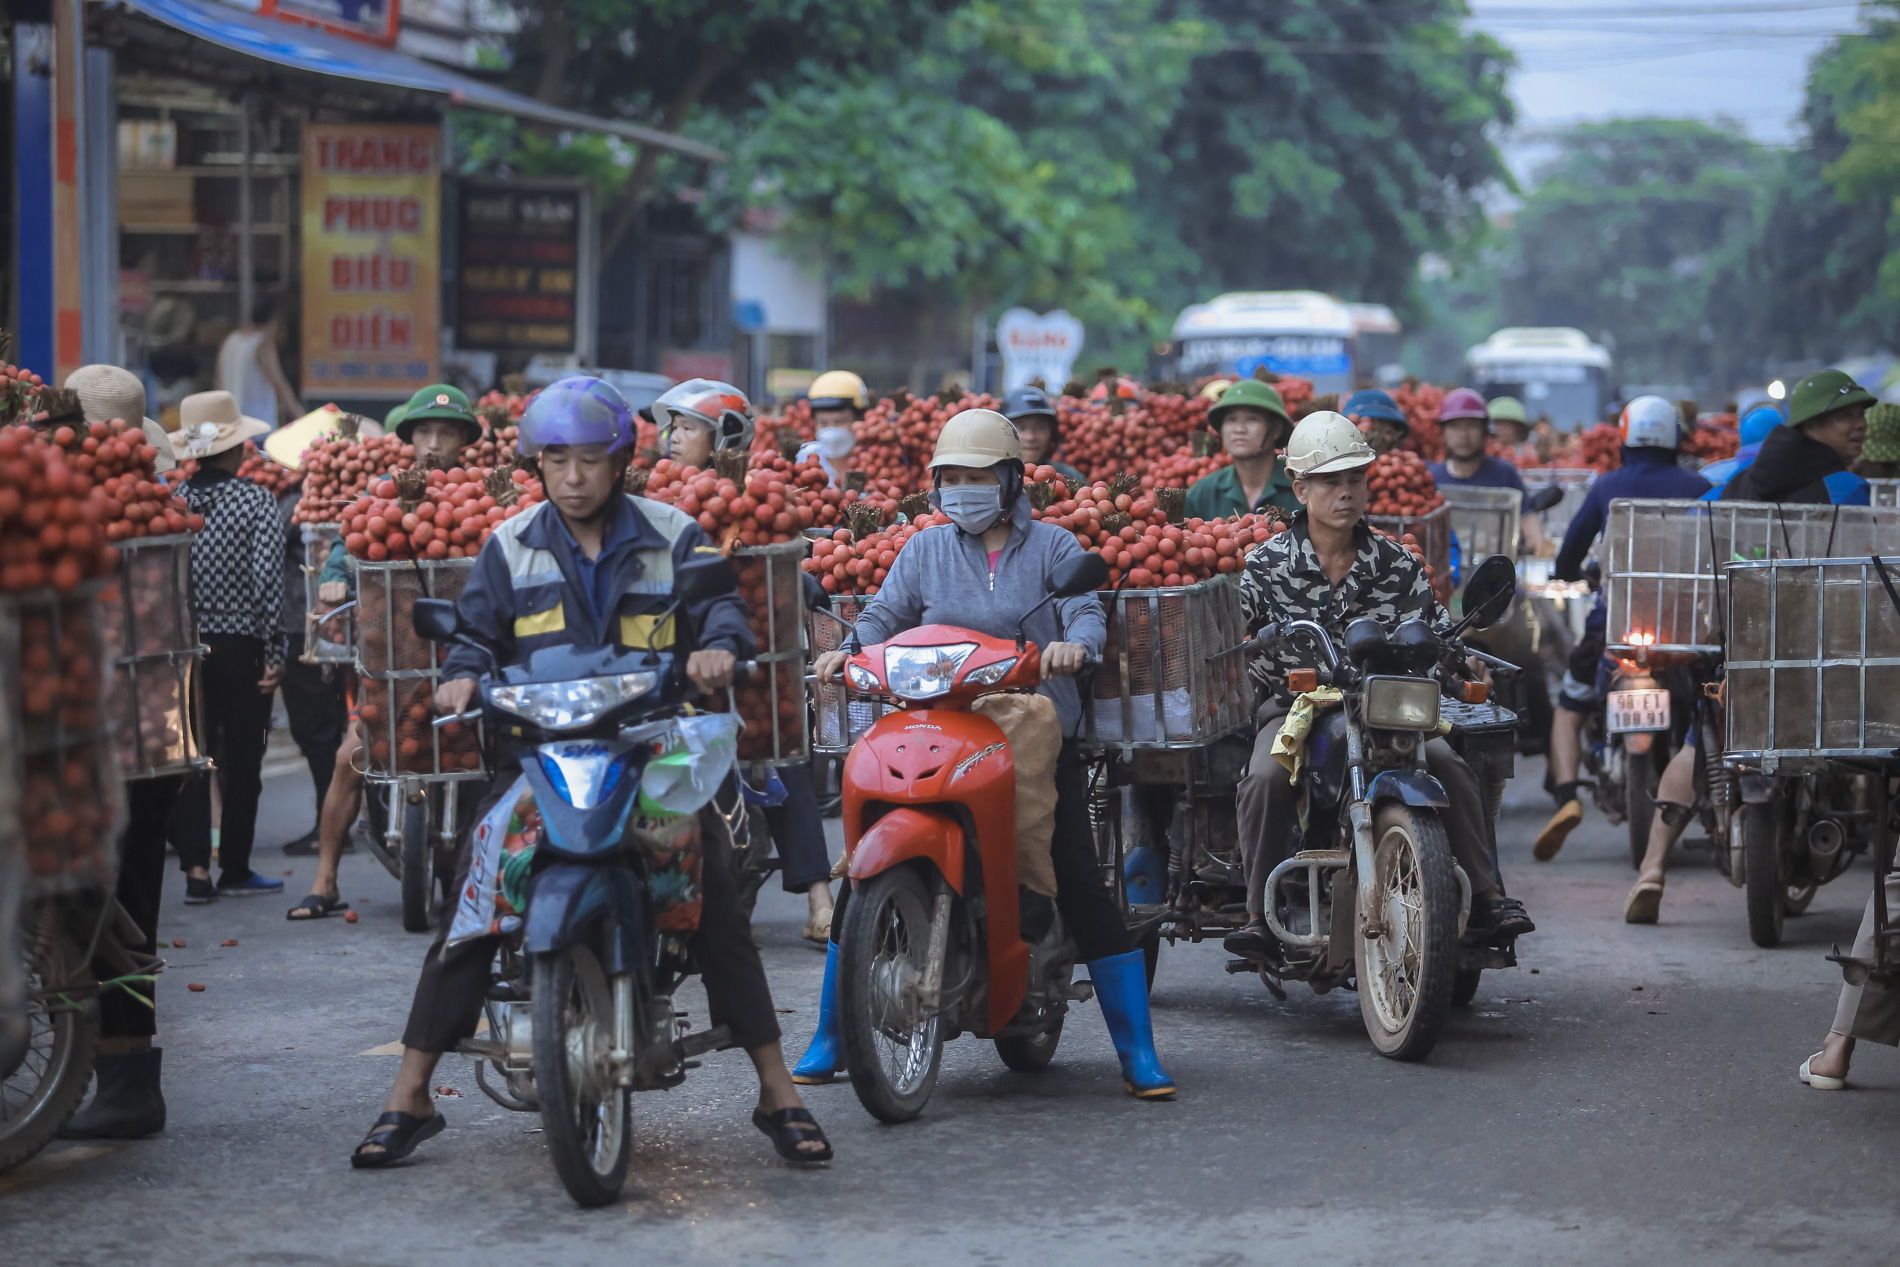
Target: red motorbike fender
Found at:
x=906, y=834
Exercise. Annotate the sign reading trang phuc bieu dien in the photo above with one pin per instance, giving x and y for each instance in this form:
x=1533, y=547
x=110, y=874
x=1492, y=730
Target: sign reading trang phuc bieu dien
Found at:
x=371, y=252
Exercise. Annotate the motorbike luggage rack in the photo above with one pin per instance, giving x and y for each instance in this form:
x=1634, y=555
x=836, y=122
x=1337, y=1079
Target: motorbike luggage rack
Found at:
x=1313, y=861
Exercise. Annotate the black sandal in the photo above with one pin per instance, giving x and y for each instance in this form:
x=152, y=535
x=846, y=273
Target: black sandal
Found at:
x=788, y=1129
x=397, y=1134
x=316, y=906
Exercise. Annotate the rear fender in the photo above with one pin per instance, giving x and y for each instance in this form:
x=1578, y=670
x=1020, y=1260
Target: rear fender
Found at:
x=1758, y=789
x=1411, y=787
x=904, y=835
x=566, y=898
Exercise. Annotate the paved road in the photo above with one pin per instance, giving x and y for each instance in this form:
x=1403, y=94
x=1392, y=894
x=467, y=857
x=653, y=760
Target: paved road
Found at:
x=1626, y=1096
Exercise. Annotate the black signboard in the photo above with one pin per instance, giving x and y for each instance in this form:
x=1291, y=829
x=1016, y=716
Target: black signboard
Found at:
x=522, y=275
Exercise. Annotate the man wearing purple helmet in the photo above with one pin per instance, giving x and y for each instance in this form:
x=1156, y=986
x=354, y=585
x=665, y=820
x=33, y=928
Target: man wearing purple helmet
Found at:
x=591, y=566
x=1465, y=422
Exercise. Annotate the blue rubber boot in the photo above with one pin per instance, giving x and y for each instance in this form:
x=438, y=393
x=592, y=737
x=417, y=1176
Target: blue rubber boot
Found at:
x=1121, y=987
x=824, y=1059
x=1145, y=874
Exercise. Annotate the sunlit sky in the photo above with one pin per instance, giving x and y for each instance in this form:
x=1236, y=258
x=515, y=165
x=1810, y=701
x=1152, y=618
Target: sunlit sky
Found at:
x=1605, y=59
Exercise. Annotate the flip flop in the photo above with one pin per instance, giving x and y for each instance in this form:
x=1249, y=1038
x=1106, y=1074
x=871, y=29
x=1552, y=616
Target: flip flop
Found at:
x=818, y=928
x=1557, y=830
x=316, y=906
x=397, y=1134
x=1644, y=904
x=788, y=1128
x=1820, y=1081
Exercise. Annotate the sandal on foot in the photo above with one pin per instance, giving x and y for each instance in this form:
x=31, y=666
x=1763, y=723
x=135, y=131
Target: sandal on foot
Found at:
x=788, y=1129
x=1644, y=904
x=1557, y=830
x=397, y=1134
x=1820, y=1081
x=316, y=906
x=818, y=927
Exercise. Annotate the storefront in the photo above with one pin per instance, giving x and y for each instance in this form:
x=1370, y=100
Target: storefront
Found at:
x=231, y=165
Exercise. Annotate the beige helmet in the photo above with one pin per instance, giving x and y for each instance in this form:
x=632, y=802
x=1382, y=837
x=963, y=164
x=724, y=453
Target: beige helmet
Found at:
x=977, y=437
x=838, y=389
x=1325, y=442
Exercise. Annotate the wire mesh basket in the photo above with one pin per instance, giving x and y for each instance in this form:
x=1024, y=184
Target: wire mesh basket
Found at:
x=1433, y=533
x=1664, y=559
x=400, y=670
x=329, y=636
x=1486, y=521
x=772, y=703
x=54, y=676
x=151, y=638
x=1173, y=674
x=839, y=718
x=1576, y=484
x=1813, y=661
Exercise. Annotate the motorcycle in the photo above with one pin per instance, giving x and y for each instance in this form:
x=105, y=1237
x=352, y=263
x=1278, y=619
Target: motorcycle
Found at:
x=581, y=1009
x=937, y=940
x=1375, y=845
x=1792, y=833
x=1646, y=719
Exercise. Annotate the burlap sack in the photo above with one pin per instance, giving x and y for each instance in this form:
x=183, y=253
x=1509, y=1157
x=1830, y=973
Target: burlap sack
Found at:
x=1030, y=725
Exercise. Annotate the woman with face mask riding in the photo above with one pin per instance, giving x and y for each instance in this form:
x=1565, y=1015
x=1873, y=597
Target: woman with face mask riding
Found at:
x=983, y=571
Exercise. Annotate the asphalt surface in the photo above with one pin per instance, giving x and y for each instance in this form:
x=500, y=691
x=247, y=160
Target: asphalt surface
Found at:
x=1627, y=1095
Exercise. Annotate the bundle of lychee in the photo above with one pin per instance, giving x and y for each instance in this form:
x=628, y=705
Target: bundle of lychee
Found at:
x=435, y=514
x=130, y=500
x=1420, y=402
x=1713, y=439
x=734, y=505
x=408, y=702
x=66, y=795
x=1602, y=447
x=1402, y=484
x=775, y=603
x=881, y=447
x=53, y=520
x=776, y=433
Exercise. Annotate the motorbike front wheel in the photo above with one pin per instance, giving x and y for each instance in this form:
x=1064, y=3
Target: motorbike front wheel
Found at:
x=584, y=1113
x=891, y=1049
x=1765, y=880
x=1030, y=1053
x=39, y=1093
x=1406, y=974
x=418, y=866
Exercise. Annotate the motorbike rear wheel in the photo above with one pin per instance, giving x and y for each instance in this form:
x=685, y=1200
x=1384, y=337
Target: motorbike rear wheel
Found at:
x=1030, y=1053
x=892, y=1052
x=1406, y=975
x=584, y=1113
x=1766, y=883
x=46, y=1086
x=1641, y=774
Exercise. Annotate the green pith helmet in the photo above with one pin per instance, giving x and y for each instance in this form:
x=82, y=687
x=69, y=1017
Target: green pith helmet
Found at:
x=1823, y=393
x=1883, y=434
x=393, y=418
x=1509, y=409
x=1250, y=392
x=438, y=400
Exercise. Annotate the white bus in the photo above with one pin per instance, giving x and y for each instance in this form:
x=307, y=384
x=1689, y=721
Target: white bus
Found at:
x=1554, y=370
x=1299, y=332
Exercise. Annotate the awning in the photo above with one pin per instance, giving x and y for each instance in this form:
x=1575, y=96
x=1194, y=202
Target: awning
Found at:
x=313, y=50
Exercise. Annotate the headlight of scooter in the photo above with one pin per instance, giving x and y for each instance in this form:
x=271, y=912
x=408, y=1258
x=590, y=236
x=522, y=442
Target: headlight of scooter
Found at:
x=919, y=673
x=567, y=705
x=990, y=674
x=1401, y=703
x=861, y=679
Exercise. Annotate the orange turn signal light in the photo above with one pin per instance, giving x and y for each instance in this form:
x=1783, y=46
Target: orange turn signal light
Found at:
x=1477, y=692
x=1300, y=681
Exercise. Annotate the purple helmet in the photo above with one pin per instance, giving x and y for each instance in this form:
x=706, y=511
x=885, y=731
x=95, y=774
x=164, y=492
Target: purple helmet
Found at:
x=578, y=410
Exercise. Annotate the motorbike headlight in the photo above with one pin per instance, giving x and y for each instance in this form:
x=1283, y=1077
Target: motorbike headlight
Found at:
x=918, y=673
x=565, y=705
x=861, y=678
x=991, y=674
x=1401, y=703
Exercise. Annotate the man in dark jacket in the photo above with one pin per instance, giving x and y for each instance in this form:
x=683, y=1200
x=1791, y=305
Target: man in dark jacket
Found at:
x=1824, y=433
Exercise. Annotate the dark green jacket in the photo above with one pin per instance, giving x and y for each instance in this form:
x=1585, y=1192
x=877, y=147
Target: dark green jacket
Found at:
x=1219, y=496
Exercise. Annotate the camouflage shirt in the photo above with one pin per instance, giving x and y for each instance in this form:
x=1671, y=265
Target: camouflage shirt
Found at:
x=1283, y=580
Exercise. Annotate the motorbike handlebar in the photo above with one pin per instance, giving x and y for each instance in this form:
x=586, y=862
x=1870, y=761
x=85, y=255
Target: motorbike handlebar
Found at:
x=474, y=714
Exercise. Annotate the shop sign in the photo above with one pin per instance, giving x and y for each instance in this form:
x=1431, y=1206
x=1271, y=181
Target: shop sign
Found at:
x=1034, y=346
x=371, y=245
x=523, y=268
x=376, y=21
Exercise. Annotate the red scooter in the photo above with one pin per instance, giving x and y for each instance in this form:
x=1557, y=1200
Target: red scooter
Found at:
x=936, y=939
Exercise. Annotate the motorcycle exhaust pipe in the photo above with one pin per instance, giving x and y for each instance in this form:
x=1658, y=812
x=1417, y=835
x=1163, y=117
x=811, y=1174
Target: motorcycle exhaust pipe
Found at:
x=1825, y=839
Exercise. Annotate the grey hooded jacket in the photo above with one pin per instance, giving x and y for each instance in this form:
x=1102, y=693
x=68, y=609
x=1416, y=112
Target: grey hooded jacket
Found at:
x=942, y=577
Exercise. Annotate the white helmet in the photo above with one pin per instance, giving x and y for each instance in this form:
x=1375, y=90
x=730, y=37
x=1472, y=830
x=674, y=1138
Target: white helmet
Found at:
x=710, y=403
x=1650, y=422
x=1325, y=442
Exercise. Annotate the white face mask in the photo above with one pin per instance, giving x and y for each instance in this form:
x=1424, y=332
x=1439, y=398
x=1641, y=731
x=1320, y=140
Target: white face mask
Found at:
x=835, y=442
x=975, y=508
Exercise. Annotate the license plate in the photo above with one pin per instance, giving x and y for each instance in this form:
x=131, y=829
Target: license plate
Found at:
x=1638, y=710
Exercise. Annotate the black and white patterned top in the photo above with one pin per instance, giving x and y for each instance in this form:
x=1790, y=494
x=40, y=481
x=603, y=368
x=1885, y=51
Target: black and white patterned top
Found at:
x=1283, y=580
x=237, y=562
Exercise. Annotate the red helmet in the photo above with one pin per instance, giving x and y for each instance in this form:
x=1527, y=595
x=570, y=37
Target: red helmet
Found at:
x=1462, y=402
x=711, y=403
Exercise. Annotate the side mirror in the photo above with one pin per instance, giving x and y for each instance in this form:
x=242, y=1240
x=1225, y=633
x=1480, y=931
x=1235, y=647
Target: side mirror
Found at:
x=1490, y=591
x=705, y=578
x=1543, y=499
x=436, y=619
x=1081, y=574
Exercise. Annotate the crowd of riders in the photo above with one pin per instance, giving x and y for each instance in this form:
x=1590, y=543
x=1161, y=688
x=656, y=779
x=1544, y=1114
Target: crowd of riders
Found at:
x=590, y=563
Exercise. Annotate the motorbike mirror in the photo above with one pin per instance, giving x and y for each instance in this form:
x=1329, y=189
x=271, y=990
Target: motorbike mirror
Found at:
x=1490, y=591
x=1080, y=574
x=1543, y=499
x=1364, y=637
x=705, y=578
x=436, y=619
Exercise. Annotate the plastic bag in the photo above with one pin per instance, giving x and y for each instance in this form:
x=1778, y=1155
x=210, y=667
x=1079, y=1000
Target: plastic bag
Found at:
x=685, y=776
x=501, y=851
